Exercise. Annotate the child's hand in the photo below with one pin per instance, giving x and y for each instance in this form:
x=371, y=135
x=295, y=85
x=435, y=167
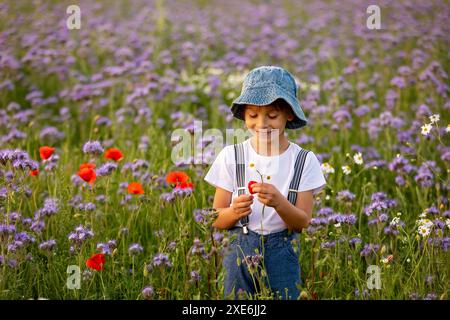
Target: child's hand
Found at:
x=241, y=205
x=268, y=194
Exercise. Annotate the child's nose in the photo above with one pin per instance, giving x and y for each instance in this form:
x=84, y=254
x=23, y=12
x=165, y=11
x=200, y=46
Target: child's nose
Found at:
x=262, y=123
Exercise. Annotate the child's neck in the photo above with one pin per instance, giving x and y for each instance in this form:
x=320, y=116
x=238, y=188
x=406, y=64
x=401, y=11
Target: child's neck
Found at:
x=265, y=148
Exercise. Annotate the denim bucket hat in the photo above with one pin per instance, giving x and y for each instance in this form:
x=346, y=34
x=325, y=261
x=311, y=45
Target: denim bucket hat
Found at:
x=264, y=85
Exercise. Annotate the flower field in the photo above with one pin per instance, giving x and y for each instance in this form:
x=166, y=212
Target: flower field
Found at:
x=94, y=206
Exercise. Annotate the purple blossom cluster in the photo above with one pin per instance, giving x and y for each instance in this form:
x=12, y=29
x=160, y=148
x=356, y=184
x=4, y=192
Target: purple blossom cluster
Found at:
x=106, y=169
x=161, y=260
x=80, y=235
x=369, y=249
x=47, y=245
x=380, y=204
x=107, y=247
x=93, y=148
x=135, y=249
x=18, y=159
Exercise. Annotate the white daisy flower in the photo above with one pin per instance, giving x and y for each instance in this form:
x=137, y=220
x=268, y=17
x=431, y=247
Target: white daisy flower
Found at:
x=327, y=168
x=448, y=223
x=425, y=222
x=358, y=158
x=347, y=170
x=447, y=130
x=395, y=221
x=424, y=231
x=423, y=214
x=434, y=118
x=426, y=128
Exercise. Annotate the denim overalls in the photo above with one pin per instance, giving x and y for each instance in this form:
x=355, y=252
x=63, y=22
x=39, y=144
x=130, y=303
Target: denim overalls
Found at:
x=279, y=267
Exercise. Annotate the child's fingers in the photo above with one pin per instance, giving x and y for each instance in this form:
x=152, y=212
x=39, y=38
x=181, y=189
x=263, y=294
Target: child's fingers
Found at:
x=244, y=198
x=260, y=189
x=245, y=213
x=243, y=204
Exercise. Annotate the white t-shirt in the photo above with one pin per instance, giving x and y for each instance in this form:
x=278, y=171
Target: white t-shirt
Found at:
x=277, y=170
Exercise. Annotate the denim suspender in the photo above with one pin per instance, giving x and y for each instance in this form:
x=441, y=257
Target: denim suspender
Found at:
x=298, y=169
x=240, y=177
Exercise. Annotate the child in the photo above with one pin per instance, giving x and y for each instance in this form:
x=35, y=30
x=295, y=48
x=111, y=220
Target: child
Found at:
x=287, y=176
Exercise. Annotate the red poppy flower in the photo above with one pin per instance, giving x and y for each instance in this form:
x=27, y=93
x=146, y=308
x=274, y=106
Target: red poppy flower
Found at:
x=46, y=152
x=250, y=186
x=185, y=185
x=34, y=172
x=177, y=177
x=113, y=154
x=96, y=261
x=87, y=165
x=135, y=188
x=87, y=174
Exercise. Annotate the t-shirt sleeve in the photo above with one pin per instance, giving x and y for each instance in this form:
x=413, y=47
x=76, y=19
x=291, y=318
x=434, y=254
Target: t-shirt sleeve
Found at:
x=220, y=174
x=312, y=175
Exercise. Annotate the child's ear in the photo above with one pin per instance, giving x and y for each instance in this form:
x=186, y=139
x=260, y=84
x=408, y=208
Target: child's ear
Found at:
x=290, y=116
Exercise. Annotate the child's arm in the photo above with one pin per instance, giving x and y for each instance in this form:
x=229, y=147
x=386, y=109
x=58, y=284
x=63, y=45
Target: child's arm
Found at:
x=229, y=215
x=299, y=216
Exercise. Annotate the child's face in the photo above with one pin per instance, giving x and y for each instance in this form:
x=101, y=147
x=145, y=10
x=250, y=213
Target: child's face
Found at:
x=263, y=121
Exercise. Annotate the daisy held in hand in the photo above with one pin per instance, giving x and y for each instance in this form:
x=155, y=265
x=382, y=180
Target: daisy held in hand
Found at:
x=253, y=184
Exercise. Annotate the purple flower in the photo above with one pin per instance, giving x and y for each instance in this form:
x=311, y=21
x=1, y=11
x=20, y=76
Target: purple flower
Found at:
x=369, y=249
x=345, y=196
x=147, y=292
x=218, y=236
x=103, y=121
x=89, y=206
x=24, y=237
x=47, y=245
x=50, y=208
x=80, y=235
x=365, y=293
x=195, y=276
x=425, y=175
x=430, y=296
x=135, y=249
x=7, y=229
x=51, y=134
x=37, y=226
x=198, y=247
x=167, y=197
x=106, y=169
x=161, y=259
x=172, y=246
x=93, y=148
x=106, y=248
x=201, y=215
x=76, y=180
x=328, y=245
x=380, y=203
x=51, y=163
x=354, y=241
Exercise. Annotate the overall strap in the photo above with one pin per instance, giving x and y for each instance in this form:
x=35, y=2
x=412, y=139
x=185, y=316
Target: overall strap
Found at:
x=298, y=169
x=240, y=167
x=239, y=157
